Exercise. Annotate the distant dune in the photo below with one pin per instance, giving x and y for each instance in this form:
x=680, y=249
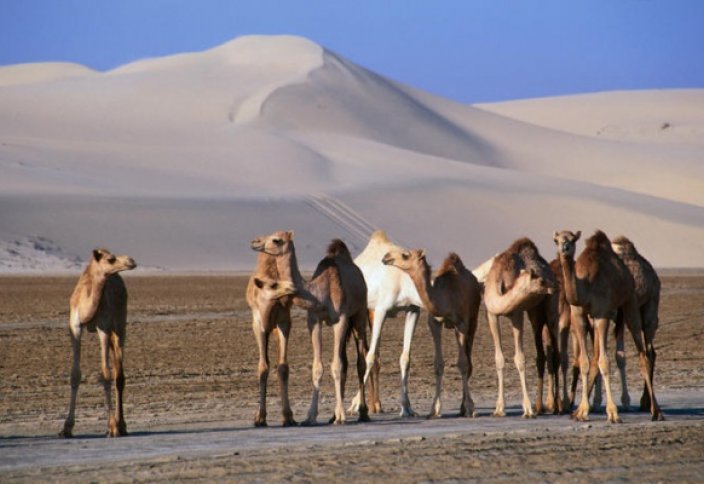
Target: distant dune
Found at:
x=179, y=161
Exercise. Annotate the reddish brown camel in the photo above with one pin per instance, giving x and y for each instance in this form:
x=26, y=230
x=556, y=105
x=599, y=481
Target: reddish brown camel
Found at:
x=598, y=285
x=518, y=281
x=99, y=304
x=452, y=300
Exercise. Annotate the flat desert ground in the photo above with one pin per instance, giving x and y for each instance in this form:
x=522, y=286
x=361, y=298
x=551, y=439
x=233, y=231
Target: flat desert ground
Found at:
x=191, y=393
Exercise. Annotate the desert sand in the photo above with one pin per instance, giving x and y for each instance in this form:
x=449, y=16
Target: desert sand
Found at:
x=191, y=394
x=180, y=161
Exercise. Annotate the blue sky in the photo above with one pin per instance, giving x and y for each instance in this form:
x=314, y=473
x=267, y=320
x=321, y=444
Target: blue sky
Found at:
x=470, y=51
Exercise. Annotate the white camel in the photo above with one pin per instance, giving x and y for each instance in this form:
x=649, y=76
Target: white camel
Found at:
x=389, y=292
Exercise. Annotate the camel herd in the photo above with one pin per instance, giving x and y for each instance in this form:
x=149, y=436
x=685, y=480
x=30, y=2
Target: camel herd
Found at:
x=608, y=281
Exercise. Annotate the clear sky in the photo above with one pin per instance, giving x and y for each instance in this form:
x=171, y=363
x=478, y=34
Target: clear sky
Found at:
x=470, y=51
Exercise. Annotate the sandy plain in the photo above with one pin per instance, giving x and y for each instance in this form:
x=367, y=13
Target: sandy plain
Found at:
x=191, y=395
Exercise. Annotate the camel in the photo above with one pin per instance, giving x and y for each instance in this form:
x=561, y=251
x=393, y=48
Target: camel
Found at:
x=558, y=301
x=335, y=295
x=269, y=315
x=647, y=289
x=99, y=304
x=338, y=286
x=598, y=285
x=389, y=291
x=518, y=281
x=452, y=300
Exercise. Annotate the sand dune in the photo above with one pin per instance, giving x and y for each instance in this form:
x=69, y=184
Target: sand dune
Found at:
x=180, y=160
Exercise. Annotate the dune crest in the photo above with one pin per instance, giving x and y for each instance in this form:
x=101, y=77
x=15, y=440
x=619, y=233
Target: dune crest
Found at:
x=180, y=160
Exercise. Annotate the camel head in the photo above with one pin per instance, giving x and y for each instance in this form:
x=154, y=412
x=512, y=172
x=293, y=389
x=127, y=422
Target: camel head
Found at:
x=566, y=242
x=274, y=289
x=278, y=243
x=404, y=259
x=532, y=284
x=106, y=263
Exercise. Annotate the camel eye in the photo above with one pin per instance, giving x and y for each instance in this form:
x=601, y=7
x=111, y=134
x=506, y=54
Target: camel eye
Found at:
x=112, y=259
x=278, y=242
x=274, y=285
x=405, y=256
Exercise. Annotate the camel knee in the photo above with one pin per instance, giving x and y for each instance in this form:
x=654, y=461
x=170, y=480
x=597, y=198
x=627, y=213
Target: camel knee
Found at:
x=621, y=359
x=520, y=361
x=317, y=373
x=500, y=361
x=282, y=370
x=405, y=361
x=263, y=371
x=75, y=378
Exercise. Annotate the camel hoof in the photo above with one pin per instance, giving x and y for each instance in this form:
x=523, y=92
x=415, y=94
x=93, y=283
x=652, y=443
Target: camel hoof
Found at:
x=498, y=413
x=364, y=416
x=658, y=417
x=309, y=422
x=289, y=422
x=529, y=415
x=433, y=415
x=260, y=423
x=66, y=434
x=376, y=408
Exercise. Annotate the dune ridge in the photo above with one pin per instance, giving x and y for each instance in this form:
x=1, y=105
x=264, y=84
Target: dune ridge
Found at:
x=180, y=160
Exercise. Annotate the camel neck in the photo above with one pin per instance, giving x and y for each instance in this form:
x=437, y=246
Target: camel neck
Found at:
x=572, y=284
x=421, y=279
x=90, y=291
x=287, y=266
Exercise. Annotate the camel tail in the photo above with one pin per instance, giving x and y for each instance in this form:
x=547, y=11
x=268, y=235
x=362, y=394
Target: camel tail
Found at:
x=482, y=270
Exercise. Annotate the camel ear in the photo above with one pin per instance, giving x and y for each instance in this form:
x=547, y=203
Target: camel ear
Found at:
x=577, y=235
x=289, y=235
x=258, y=282
x=554, y=237
x=97, y=255
x=421, y=253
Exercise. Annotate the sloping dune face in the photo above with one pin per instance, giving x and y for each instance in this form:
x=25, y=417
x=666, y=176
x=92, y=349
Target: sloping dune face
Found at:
x=180, y=160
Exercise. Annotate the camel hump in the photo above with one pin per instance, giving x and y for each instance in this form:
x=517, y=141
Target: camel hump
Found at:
x=524, y=244
x=379, y=236
x=338, y=248
x=623, y=246
x=452, y=263
x=325, y=263
x=598, y=241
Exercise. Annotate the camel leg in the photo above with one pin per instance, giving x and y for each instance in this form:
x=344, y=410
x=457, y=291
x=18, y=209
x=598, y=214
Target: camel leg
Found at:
x=520, y=361
x=106, y=377
x=338, y=368
x=649, y=320
x=405, y=362
x=359, y=330
x=116, y=343
x=601, y=328
x=632, y=316
x=493, y=320
x=553, y=402
x=374, y=399
x=621, y=364
x=67, y=432
x=537, y=324
x=316, y=337
x=469, y=344
x=439, y=366
x=564, y=335
x=579, y=326
x=284, y=327
x=575, y=369
x=262, y=337
x=595, y=381
x=463, y=364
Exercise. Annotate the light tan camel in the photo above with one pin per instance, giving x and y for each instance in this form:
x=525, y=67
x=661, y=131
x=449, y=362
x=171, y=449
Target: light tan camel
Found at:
x=334, y=296
x=99, y=304
x=452, y=300
x=647, y=289
x=598, y=285
x=269, y=316
x=518, y=281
